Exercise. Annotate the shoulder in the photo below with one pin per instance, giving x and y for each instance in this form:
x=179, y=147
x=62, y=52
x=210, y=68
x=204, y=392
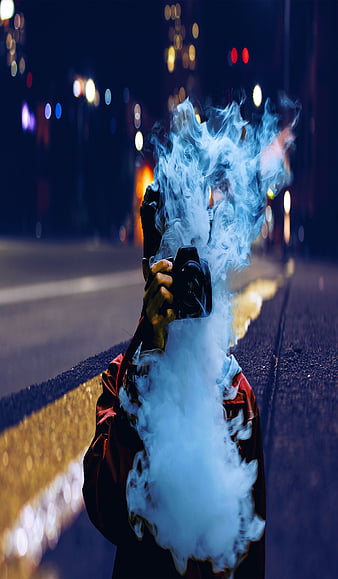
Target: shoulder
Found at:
x=109, y=377
x=245, y=396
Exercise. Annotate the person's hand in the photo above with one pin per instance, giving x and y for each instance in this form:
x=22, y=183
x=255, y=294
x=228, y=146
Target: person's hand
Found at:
x=156, y=303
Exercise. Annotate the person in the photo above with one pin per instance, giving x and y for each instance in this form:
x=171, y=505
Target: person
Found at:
x=110, y=456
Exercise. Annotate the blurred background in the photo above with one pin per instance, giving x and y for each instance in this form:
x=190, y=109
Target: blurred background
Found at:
x=82, y=85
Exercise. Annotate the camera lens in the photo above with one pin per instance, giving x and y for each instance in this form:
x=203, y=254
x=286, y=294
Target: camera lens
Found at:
x=190, y=288
x=191, y=284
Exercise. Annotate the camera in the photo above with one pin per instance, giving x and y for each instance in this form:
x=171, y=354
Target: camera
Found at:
x=191, y=286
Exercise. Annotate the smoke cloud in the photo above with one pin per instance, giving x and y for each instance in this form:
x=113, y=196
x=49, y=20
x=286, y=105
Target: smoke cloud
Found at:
x=189, y=485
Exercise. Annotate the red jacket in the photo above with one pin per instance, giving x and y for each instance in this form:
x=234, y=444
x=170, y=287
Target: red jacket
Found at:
x=106, y=467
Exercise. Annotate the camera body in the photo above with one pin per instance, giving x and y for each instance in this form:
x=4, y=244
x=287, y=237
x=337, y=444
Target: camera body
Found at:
x=191, y=286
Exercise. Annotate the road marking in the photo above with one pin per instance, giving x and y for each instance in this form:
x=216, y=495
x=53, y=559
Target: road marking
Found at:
x=41, y=457
x=247, y=304
x=55, y=289
x=43, y=450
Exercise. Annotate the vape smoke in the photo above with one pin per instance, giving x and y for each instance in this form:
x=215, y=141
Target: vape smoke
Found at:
x=190, y=485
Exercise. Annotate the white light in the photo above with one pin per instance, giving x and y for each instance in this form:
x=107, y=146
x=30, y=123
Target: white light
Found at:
x=287, y=202
x=257, y=95
x=6, y=9
x=25, y=117
x=90, y=90
x=77, y=89
x=139, y=141
x=48, y=111
x=14, y=68
x=137, y=116
x=268, y=213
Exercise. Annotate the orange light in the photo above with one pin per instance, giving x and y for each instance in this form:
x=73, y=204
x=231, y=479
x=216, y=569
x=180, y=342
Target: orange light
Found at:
x=211, y=199
x=144, y=176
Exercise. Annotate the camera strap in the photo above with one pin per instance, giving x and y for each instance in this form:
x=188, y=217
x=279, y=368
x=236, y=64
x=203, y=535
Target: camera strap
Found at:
x=140, y=335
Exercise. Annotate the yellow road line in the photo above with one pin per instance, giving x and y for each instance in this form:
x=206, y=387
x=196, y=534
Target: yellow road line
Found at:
x=41, y=459
x=247, y=305
x=33, y=454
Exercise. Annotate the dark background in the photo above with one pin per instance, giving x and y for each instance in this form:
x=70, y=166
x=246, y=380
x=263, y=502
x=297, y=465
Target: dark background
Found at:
x=75, y=175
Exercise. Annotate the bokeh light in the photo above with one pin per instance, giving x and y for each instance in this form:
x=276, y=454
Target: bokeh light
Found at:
x=257, y=95
x=90, y=90
x=25, y=117
x=233, y=55
x=245, y=55
x=22, y=65
x=48, y=111
x=107, y=96
x=137, y=116
x=171, y=58
x=14, y=68
x=58, y=110
x=139, y=141
x=17, y=21
x=268, y=213
x=28, y=122
x=29, y=80
x=192, y=53
x=77, y=88
x=6, y=9
x=182, y=94
x=287, y=202
x=195, y=30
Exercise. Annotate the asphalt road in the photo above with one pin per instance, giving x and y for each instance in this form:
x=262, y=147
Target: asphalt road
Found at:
x=62, y=302
x=289, y=355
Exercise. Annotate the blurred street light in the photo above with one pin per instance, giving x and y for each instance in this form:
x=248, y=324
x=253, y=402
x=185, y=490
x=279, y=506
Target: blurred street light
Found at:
x=6, y=9
x=58, y=110
x=245, y=55
x=287, y=209
x=77, y=88
x=107, y=96
x=48, y=111
x=287, y=202
x=139, y=141
x=257, y=95
x=90, y=90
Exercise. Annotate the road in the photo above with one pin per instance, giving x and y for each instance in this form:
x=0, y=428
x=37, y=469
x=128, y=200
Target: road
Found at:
x=62, y=302
x=289, y=355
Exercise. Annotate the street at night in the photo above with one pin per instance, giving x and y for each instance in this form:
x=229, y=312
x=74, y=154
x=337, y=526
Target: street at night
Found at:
x=218, y=118
x=289, y=356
